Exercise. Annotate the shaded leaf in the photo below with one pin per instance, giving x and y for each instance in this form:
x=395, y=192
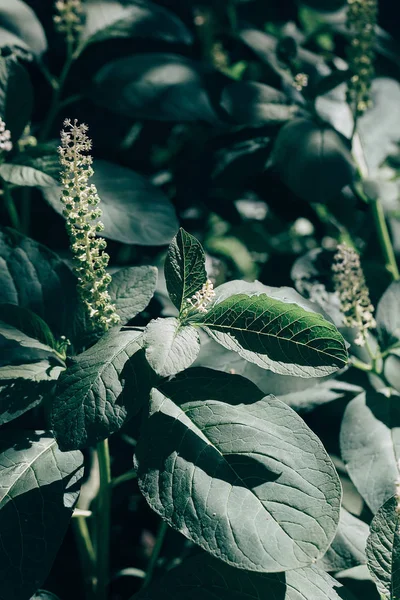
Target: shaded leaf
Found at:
x=370, y=445
x=348, y=547
x=170, y=347
x=39, y=488
x=251, y=484
x=16, y=93
x=20, y=349
x=24, y=176
x=17, y=396
x=17, y=18
x=43, y=595
x=132, y=289
x=276, y=335
x=28, y=322
x=134, y=211
x=185, y=271
x=388, y=317
x=383, y=550
x=203, y=577
x=101, y=389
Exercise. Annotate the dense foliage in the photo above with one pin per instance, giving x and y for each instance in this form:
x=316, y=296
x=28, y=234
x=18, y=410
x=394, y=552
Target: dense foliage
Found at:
x=200, y=313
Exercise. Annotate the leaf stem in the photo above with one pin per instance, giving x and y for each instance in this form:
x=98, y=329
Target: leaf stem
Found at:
x=86, y=554
x=128, y=476
x=103, y=521
x=384, y=238
x=162, y=530
x=10, y=206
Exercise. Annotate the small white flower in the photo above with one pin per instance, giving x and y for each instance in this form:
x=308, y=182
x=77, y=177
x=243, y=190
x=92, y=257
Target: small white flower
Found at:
x=5, y=137
x=69, y=19
x=300, y=81
x=202, y=299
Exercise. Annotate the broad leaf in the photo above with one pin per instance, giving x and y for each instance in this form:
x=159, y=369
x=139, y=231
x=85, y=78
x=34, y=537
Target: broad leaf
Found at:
x=323, y=392
x=348, y=548
x=18, y=19
x=16, y=93
x=276, y=335
x=17, y=396
x=161, y=87
x=370, y=445
x=251, y=484
x=139, y=19
x=185, y=271
x=23, y=175
x=205, y=578
x=33, y=277
x=28, y=322
x=388, y=316
x=383, y=550
x=134, y=211
x=39, y=487
x=132, y=289
x=170, y=346
x=100, y=390
x=43, y=595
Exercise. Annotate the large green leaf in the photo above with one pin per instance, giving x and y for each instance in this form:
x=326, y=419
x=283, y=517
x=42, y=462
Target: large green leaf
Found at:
x=16, y=93
x=132, y=289
x=100, y=390
x=388, y=316
x=251, y=484
x=39, y=487
x=19, y=20
x=370, y=445
x=134, y=211
x=28, y=322
x=185, y=271
x=205, y=578
x=24, y=175
x=139, y=19
x=383, y=550
x=276, y=335
x=33, y=277
x=348, y=548
x=170, y=346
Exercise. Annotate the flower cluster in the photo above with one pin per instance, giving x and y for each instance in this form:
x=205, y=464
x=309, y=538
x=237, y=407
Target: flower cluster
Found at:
x=69, y=20
x=350, y=285
x=202, y=299
x=361, y=21
x=82, y=221
x=5, y=138
x=300, y=81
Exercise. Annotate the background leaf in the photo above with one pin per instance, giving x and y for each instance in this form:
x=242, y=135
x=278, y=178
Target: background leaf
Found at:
x=348, y=547
x=185, y=271
x=17, y=18
x=24, y=176
x=134, y=211
x=388, y=317
x=132, y=289
x=39, y=488
x=251, y=484
x=16, y=92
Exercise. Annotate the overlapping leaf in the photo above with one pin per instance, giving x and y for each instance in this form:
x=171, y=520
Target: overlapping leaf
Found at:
x=348, y=548
x=132, y=289
x=170, y=346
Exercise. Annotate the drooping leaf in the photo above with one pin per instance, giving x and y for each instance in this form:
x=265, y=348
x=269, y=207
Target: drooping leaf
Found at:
x=203, y=577
x=170, y=347
x=134, y=211
x=185, y=271
x=276, y=335
x=28, y=322
x=16, y=92
x=33, y=277
x=18, y=19
x=139, y=19
x=101, y=388
x=348, y=548
x=251, y=484
x=132, y=289
x=370, y=445
x=161, y=87
x=321, y=164
x=39, y=487
x=25, y=176
x=388, y=317
x=383, y=550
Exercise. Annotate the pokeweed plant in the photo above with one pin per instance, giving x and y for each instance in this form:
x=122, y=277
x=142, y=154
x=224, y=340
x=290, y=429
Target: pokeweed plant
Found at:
x=227, y=392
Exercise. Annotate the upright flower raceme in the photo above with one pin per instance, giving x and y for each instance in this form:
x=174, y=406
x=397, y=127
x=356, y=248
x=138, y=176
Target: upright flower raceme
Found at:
x=82, y=215
x=201, y=300
x=353, y=293
x=69, y=19
x=361, y=22
x=5, y=137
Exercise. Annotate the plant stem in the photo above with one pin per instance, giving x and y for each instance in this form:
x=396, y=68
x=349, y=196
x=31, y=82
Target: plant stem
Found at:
x=128, y=476
x=156, y=553
x=86, y=554
x=384, y=238
x=103, y=521
x=10, y=206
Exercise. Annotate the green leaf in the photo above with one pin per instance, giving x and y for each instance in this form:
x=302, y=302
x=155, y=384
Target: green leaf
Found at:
x=251, y=484
x=19, y=20
x=348, y=548
x=383, y=550
x=325, y=5
x=132, y=289
x=28, y=322
x=170, y=346
x=101, y=389
x=388, y=317
x=322, y=164
x=24, y=176
x=33, y=277
x=276, y=335
x=134, y=211
x=205, y=578
x=39, y=487
x=43, y=595
x=185, y=271
x=105, y=20
x=161, y=87
x=370, y=445
x=34, y=383
x=16, y=93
